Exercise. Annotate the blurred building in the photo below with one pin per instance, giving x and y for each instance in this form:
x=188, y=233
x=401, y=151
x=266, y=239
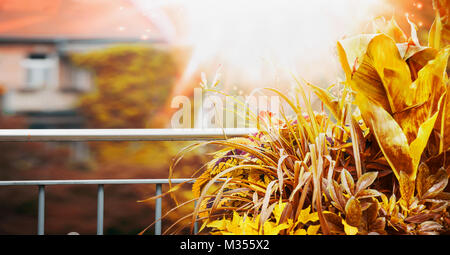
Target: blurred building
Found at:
x=36, y=40
x=38, y=80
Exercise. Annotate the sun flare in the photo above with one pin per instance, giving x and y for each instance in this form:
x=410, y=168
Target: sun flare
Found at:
x=260, y=42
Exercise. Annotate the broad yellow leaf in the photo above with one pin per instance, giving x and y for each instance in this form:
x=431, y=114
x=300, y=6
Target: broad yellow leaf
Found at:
x=312, y=230
x=364, y=77
x=349, y=230
x=418, y=145
x=271, y=228
x=344, y=61
x=417, y=57
x=352, y=49
x=388, y=133
x=383, y=57
x=427, y=91
x=305, y=216
x=431, y=79
x=366, y=80
x=434, y=36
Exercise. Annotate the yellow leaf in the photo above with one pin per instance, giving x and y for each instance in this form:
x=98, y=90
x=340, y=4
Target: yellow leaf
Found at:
x=393, y=30
x=353, y=212
x=367, y=81
x=413, y=36
x=278, y=210
x=351, y=51
x=236, y=218
x=421, y=181
x=250, y=226
x=329, y=100
x=200, y=182
x=417, y=57
x=347, y=182
x=418, y=145
x=344, y=61
x=392, y=203
x=271, y=228
x=349, y=230
x=219, y=224
x=425, y=94
x=205, y=223
x=388, y=133
x=305, y=216
x=312, y=230
x=443, y=123
x=406, y=188
x=300, y=231
x=434, y=36
x=438, y=182
x=383, y=57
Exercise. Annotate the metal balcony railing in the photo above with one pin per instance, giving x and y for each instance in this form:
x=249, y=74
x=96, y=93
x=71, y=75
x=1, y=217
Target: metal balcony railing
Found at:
x=22, y=135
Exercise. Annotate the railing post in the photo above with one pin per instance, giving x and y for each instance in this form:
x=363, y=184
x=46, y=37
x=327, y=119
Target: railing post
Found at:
x=100, y=203
x=158, y=208
x=41, y=210
x=195, y=223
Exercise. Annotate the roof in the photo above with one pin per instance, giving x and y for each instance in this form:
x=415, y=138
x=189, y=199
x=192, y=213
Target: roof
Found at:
x=75, y=19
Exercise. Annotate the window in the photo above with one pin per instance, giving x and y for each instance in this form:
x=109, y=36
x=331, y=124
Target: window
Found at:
x=38, y=70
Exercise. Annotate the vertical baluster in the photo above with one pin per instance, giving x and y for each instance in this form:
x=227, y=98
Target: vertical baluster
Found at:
x=41, y=210
x=158, y=208
x=196, y=223
x=100, y=203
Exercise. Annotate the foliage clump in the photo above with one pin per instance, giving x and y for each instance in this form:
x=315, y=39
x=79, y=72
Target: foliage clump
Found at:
x=378, y=163
x=132, y=82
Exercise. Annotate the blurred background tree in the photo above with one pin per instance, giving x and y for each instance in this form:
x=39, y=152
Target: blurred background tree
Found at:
x=132, y=86
x=131, y=83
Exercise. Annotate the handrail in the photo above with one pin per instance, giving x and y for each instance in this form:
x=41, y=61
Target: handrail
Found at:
x=141, y=134
x=90, y=182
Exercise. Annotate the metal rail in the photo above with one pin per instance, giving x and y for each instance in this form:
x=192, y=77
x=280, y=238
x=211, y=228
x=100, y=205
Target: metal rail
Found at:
x=97, y=182
x=29, y=135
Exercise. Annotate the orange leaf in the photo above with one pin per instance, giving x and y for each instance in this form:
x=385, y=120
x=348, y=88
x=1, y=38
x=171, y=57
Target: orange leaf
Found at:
x=353, y=212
